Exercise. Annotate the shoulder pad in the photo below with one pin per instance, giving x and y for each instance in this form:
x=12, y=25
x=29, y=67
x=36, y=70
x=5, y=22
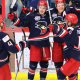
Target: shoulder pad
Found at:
x=5, y=37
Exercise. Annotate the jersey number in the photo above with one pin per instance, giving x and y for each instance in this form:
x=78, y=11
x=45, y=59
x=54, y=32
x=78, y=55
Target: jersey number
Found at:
x=10, y=43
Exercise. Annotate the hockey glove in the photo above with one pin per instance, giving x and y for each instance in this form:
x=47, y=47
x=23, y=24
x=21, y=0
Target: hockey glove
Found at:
x=54, y=28
x=12, y=16
x=25, y=10
x=33, y=10
x=23, y=44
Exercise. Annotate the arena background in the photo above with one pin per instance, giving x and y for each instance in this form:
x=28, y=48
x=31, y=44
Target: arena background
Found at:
x=24, y=65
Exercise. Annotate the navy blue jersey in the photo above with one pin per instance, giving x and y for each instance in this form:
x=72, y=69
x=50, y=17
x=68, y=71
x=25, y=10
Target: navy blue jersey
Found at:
x=58, y=39
x=54, y=14
x=38, y=27
x=6, y=44
x=72, y=38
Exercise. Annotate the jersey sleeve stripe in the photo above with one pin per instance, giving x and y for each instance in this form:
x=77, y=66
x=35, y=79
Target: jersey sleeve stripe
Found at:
x=18, y=47
x=17, y=22
x=76, y=47
x=64, y=33
x=2, y=60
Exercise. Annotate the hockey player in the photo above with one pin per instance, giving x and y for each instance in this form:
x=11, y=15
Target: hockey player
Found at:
x=6, y=44
x=38, y=39
x=57, y=52
x=71, y=47
x=60, y=10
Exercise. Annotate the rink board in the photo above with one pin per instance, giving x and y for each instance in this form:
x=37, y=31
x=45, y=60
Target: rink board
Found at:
x=24, y=76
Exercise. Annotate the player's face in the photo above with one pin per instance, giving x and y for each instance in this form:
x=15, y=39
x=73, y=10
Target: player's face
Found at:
x=68, y=23
x=60, y=7
x=42, y=9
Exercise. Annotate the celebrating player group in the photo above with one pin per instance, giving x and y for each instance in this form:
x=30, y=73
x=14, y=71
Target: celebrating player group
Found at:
x=63, y=21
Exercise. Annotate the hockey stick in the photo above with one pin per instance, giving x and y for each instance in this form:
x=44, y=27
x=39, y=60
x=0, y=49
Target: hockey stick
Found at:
x=18, y=65
x=49, y=12
x=50, y=22
x=49, y=16
x=15, y=43
x=24, y=35
x=12, y=5
x=21, y=54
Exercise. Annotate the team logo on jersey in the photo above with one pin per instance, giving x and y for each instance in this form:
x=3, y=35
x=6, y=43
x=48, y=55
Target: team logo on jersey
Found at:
x=54, y=15
x=58, y=20
x=37, y=18
x=42, y=25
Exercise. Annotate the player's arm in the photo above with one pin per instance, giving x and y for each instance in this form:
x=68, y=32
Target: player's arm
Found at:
x=21, y=21
x=62, y=33
x=11, y=46
x=65, y=34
